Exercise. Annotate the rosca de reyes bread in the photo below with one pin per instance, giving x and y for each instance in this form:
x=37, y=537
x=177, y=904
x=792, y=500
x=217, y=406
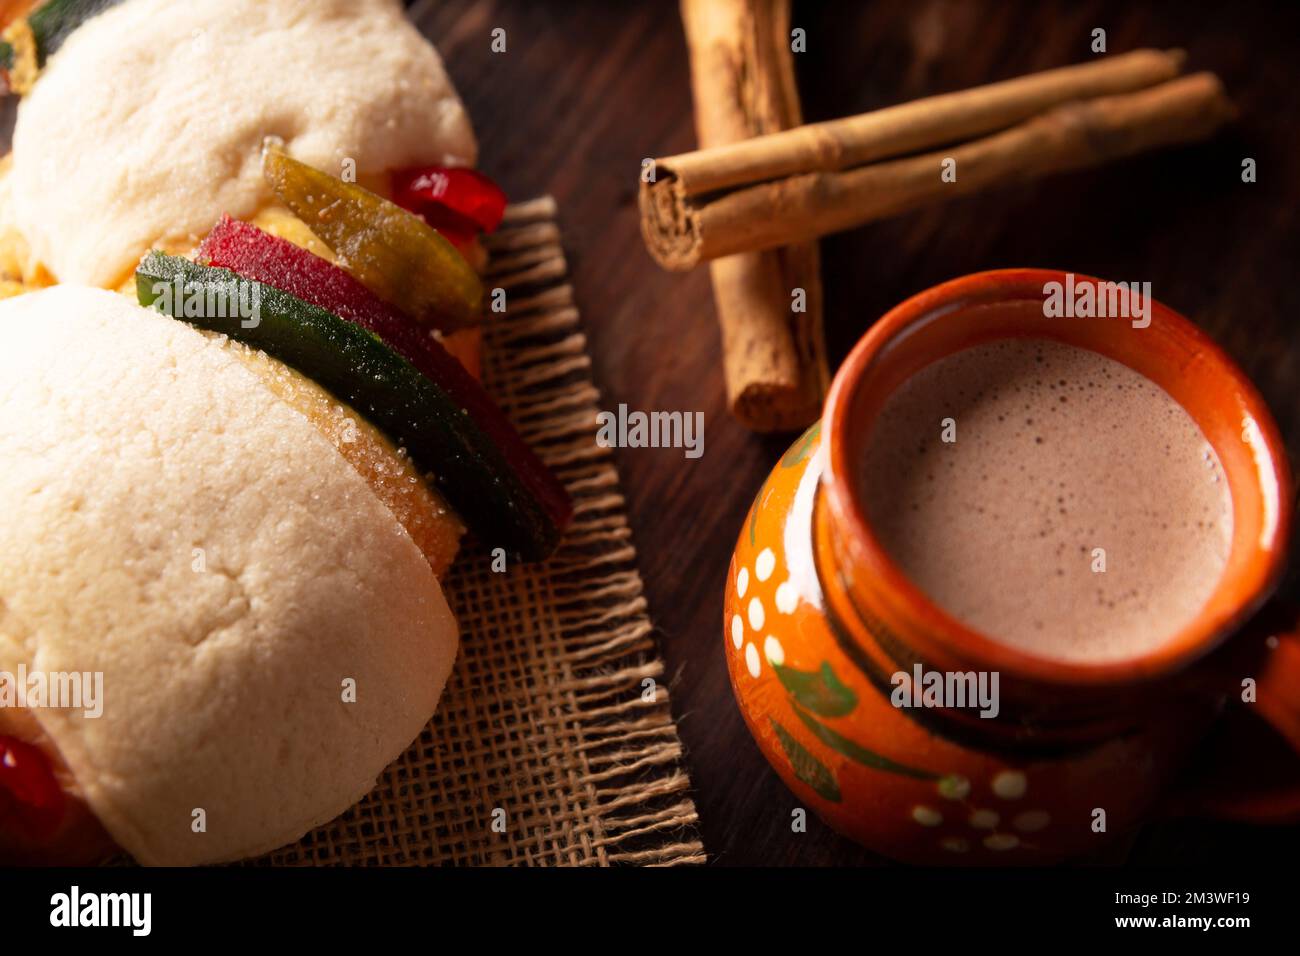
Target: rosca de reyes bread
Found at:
x=238, y=478
x=145, y=126
x=173, y=101
x=174, y=525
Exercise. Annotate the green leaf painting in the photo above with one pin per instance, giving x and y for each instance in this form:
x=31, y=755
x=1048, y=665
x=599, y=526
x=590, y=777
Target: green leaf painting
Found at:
x=819, y=691
x=856, y=752
x=807, y=767
x=801, y=448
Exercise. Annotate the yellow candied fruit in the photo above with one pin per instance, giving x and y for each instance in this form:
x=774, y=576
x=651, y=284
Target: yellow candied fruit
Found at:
x=278, y=220
x=391, y=475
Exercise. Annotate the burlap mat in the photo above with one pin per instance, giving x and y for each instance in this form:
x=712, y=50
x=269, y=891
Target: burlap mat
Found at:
x=555, y=724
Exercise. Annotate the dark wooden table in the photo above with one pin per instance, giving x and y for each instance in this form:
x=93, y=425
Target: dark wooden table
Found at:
x=586, y=90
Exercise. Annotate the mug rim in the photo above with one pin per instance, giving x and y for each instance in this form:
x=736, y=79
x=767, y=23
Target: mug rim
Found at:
x=941, y=633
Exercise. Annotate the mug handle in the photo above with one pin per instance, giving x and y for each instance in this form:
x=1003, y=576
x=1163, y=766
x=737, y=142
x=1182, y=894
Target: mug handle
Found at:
x=1249, y=768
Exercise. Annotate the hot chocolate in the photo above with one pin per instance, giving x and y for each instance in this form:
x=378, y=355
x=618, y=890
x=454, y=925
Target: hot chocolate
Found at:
x=1049, y=497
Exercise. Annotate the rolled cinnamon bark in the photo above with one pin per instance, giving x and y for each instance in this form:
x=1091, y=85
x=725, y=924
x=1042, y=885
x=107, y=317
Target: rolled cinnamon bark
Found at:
x=742, y=79
x=683, y=231
x=911, y=127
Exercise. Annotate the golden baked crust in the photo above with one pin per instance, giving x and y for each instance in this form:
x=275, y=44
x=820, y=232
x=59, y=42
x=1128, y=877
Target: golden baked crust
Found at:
x=393, y=477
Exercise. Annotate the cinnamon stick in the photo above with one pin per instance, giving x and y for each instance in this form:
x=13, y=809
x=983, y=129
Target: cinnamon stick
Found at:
x=682, y=231
x=742, y=80
x=912, y=127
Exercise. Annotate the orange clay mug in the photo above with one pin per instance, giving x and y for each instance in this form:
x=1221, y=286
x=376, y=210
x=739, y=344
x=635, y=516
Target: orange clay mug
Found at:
x=817, y=618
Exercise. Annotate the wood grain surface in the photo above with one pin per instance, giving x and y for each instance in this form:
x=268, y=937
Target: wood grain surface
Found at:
x=586, y=90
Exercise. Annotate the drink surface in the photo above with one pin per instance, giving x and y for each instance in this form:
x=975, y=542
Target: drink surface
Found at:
x=1078, y=514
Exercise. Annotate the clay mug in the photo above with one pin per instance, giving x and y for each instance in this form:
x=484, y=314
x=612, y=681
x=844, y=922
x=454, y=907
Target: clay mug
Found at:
x=817, y=619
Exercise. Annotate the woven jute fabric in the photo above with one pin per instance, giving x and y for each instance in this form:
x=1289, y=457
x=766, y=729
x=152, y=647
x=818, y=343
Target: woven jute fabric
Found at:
x=553, y=743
